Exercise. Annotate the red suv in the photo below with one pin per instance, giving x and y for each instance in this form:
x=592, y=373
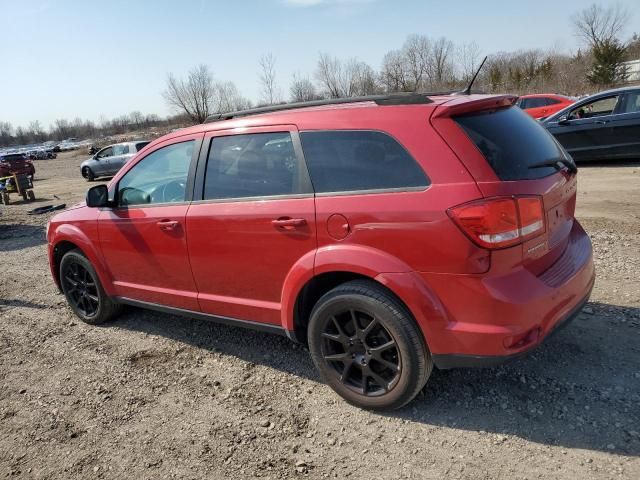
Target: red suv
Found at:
x=390, y=234
x=540, y=106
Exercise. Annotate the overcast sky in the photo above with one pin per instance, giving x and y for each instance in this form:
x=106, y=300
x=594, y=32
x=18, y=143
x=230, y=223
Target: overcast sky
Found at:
x=98, y=58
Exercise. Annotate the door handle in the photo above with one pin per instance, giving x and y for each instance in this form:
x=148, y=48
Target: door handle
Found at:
x=168, y=224
x=601, y=122
x=286, y=223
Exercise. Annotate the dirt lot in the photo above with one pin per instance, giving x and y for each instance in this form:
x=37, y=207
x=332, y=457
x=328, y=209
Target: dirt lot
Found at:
x=156, y=396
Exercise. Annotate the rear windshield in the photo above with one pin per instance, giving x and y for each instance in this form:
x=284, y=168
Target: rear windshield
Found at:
x=13, y=157
x=512, y=142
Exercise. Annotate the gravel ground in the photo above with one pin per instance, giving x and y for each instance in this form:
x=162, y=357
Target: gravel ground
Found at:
x=157, y=396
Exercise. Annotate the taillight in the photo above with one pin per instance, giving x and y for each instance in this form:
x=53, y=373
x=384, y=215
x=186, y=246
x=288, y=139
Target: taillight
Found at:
x=500, y=222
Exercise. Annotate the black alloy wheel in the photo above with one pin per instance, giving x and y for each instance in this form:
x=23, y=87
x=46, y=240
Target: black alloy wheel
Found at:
x=367, y=346
x=81, y=289
x=362, y=352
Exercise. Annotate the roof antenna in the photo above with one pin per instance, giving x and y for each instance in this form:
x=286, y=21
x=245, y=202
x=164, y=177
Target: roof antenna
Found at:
x=467, y=91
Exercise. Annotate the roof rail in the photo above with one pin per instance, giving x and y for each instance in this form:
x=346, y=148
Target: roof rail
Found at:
x=393, y=99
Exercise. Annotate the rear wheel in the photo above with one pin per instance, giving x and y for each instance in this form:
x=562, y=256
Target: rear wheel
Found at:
x=87, y=173
x=83, y=290
x=367, y=347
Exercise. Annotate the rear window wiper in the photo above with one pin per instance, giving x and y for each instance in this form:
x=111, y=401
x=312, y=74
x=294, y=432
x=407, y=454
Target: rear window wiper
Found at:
x=557, y=163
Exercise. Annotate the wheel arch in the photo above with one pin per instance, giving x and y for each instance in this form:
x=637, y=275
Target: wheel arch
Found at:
x=69, y=237
x=307, y=282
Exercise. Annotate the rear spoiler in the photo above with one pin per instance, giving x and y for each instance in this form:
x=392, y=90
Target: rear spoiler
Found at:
x=460, y=105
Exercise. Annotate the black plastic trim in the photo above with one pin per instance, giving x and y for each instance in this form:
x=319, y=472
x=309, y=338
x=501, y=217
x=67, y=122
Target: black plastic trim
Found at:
x=448, y=361
x=234, y=322
x=395, y=99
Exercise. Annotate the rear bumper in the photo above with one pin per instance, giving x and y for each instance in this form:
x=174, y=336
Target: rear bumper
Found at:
x=493, y=318
x=445, y=361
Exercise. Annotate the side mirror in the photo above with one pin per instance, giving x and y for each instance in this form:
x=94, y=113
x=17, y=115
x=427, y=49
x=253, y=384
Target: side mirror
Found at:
x=98, y=196
x=563, y=121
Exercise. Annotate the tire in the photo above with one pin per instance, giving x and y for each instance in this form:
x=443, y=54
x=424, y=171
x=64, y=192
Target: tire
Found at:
x=88, y=174
x=31, y=195
x=78, y=277
x=387, y=345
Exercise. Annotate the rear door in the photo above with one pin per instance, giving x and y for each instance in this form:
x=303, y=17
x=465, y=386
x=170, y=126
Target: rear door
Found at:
x=121, y=153
x=252, y=219
x=625, y=127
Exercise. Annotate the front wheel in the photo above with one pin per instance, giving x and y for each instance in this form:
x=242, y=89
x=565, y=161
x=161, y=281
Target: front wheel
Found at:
x=367, y=347
x=87, y=173
x=83, y=290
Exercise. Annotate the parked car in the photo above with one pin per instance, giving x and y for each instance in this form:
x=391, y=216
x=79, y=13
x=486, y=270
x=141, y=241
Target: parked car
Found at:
x=107, y=161
x=389, y=233
x=540, y=106
x=605, y=126
x=16, y=163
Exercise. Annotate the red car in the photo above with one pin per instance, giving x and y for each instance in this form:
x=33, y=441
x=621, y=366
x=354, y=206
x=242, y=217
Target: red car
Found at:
x=16, y=163
x=540, y=106
x=391, y=234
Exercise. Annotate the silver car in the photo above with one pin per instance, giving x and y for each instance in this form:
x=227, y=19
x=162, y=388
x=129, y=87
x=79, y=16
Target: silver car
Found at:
x=107, y=161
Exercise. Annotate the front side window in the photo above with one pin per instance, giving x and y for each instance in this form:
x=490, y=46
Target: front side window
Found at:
x=352, y=160
x=160, y=177
x=120, y=149
x=603, y=106
x=105, y=152
x=253, y=165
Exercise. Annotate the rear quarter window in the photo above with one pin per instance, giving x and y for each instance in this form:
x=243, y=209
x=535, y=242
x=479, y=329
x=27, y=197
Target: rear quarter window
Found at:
x=511, y=142
x=354, y=161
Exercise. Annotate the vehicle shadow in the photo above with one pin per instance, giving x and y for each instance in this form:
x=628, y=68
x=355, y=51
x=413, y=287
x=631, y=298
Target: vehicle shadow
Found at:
x=18, y=236
x=577, y=390
x=16, y=302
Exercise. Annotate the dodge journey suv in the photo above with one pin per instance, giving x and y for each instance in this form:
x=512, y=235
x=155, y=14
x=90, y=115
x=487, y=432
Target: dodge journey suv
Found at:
x=391, y=234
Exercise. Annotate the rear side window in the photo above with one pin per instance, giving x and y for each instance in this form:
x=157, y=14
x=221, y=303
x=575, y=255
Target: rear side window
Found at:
x=512, y=142
x=120, y=149
x=253, y=165
x=350, y=161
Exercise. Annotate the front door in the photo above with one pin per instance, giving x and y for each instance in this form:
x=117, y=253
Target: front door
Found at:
x=101, y=166
x=586, y=135
x=253, y=221
x=143, y=238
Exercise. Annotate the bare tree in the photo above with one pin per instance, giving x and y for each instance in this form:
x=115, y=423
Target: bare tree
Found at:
x=416, y=53
x=302, y=89
x=359, y=79
x=598, y=25
x=193, y=95
x=270, y=92
x=328, y=73
x=469, y=57
x=393, y=74
x=442, y=71
x=227, y=98
x=347, y=79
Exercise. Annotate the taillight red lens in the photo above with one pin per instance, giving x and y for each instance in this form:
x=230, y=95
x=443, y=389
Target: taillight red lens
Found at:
x=500, y=222
x=531, y=216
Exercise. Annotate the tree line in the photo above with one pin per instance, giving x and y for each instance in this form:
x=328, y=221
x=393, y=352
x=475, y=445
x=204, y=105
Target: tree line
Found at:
x=420, y=64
